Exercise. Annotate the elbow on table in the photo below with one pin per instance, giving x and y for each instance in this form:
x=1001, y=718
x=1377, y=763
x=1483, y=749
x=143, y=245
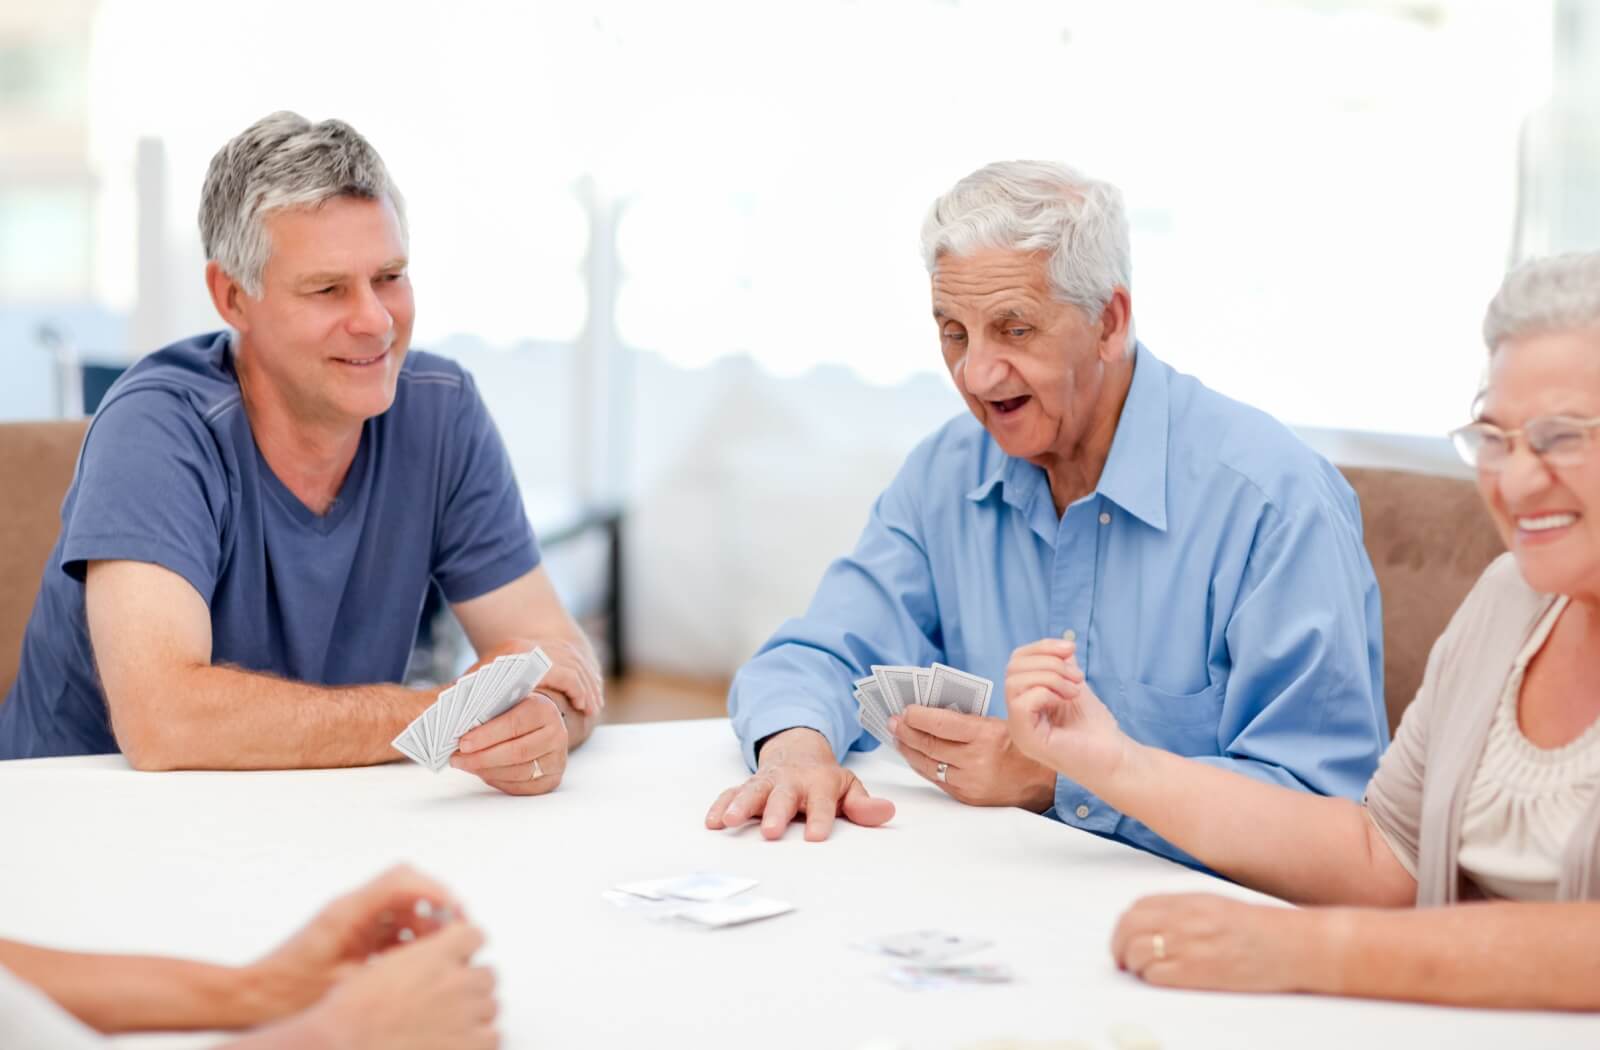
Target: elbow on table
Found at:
x=151, y=744
x=148, y=754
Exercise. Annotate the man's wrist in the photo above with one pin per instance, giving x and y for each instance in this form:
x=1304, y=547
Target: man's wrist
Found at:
x=1043, y=795
x=794, y=742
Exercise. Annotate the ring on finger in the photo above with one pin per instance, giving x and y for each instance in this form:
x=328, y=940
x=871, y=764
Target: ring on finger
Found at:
x=1158, y=945
x=940, y=771
x=538, y=771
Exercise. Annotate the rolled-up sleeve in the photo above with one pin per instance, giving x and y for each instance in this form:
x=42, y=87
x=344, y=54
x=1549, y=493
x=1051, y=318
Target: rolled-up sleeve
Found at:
x=875, y=606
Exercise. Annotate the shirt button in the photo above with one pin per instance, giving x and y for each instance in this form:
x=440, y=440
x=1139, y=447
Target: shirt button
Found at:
x=1105, y=518
x=1082, y=812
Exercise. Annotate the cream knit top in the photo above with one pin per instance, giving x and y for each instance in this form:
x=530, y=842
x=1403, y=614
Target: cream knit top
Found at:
x=1525, y=801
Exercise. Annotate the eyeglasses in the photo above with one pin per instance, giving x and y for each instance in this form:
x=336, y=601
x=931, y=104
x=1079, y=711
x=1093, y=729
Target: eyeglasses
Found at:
x=1560, y=441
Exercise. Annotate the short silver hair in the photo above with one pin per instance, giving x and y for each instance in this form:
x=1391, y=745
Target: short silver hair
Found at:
x=1554, y=294
x=1039, y=206
x=283, y=161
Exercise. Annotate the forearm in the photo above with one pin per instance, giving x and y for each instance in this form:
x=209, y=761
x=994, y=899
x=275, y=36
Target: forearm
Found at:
x=127, y=993
x=1537, y=956
x=1281, y=840
x=209, y=717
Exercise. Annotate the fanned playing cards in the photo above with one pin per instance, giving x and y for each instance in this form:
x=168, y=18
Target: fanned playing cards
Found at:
x=474, y=699
x=890, y=690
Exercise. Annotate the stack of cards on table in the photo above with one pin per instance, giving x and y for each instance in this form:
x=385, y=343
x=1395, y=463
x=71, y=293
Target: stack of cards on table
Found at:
x=474, y=699
x=924, y=957
x=702, y=897
x=891, y=690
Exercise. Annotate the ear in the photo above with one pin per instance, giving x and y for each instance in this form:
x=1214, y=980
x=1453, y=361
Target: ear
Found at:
x=1115, y=322
x=228, y=296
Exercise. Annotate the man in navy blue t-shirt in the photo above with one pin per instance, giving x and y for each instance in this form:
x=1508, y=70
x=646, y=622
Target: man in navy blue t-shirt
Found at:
x=257, y=514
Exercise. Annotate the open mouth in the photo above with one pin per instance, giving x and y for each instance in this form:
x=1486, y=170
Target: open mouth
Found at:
x=362, y=362
x=1009, y=405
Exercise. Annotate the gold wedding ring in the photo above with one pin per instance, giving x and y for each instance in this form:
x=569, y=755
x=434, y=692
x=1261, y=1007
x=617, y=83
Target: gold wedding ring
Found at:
x=1158, y=944
x=538, y=771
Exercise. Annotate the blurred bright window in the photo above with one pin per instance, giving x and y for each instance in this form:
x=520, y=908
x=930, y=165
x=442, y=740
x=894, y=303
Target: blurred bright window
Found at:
x=1324, y=193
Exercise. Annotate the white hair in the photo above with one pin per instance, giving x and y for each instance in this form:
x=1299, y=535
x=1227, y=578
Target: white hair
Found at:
x=1554, y=294
x=283, y=161
x=1039, y=206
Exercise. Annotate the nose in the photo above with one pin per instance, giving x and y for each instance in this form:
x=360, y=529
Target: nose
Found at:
x=1523, y=476
x=983, y=368
x=368, y=315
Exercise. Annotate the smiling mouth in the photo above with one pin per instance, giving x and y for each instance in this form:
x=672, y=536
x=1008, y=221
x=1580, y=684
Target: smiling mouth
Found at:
x=1542, y=523
x=362, y=362
x=1009, y=405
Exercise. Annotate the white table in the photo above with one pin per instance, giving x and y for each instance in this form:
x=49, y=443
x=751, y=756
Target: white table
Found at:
x=222, y=865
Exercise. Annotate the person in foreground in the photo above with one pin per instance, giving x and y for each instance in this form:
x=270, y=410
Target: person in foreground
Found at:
x=1491, y=792
x=258, y=514
x=387, y=966
x=1209, y=562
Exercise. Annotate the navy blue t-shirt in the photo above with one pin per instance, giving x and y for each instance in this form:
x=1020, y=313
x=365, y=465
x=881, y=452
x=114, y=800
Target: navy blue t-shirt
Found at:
x=170, y=474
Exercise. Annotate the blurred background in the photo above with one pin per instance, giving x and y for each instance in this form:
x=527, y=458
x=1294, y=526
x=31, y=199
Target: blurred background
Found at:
x=677, y=243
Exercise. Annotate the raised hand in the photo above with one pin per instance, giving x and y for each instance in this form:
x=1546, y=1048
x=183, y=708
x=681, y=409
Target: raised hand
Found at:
x=1054, y=716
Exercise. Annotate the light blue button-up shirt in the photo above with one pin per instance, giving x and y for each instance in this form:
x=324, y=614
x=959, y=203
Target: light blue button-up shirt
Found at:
x=1224, y=605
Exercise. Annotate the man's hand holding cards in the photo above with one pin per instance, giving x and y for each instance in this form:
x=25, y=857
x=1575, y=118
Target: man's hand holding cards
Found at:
x=938, y=719
x=490, y=723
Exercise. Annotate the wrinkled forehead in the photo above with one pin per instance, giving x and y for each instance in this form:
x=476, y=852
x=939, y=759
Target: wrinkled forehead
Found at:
x=989, y=281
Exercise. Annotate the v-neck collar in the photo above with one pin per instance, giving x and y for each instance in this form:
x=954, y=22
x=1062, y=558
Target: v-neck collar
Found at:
x=303, y=515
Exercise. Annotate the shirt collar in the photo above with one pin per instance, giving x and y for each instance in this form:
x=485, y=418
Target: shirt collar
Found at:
x=1135, y=474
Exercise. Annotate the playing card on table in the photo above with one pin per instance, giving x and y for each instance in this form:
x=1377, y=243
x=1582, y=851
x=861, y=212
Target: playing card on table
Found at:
x=898, y=685
x=944, y=975
x=734, y=912
x=925, y=946
x=959, y=691
x=696, y=886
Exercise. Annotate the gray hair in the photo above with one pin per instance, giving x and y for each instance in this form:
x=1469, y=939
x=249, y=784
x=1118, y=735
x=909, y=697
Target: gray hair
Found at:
x=283, y=161
x=1039, y=206
x=1553, y=294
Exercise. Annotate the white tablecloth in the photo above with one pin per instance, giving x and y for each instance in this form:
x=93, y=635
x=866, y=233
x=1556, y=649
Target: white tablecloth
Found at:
x=220, y=866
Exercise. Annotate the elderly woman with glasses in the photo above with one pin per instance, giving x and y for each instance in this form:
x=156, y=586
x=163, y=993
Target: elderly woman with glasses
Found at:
x=1490, y=793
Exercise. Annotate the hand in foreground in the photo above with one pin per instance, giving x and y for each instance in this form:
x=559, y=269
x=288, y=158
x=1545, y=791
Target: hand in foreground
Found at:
x=1201, y=940
x=522, y=752
x=798, y=774
x=1056, y=719
x=426, y=995
x=979, y=762
x=341, y=937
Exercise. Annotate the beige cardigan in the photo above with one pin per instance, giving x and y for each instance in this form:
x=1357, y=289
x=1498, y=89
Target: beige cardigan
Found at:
x=1416, y=796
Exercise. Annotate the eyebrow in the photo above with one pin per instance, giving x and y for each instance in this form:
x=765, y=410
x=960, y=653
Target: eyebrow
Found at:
x=1010, y=313
x=332, y=277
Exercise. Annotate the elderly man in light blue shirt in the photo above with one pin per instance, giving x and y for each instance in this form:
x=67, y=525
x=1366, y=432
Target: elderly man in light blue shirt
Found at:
x=1209, y=564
